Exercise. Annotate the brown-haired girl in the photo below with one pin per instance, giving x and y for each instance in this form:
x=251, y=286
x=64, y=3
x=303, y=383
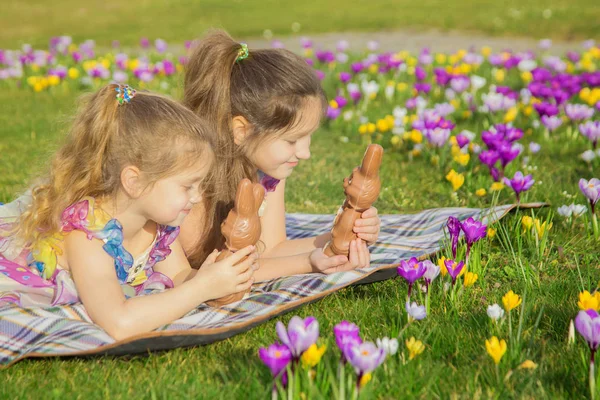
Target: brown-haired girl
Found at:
x=264, y=106
x=102, y=226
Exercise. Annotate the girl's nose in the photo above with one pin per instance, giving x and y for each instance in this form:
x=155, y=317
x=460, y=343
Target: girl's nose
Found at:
x=303, y=151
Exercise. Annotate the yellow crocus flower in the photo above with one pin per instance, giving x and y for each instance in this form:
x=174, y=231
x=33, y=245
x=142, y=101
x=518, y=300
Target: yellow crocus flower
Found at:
x=462, y=158
x=371, y=127
x=456, y=179
x=511, y=114
x=415, y=347
x=396, y=140
x=470, y=279
x=526, y=222
x=542, y=228
x=73, y=73
x=416, y=136
x=500, y=75
x=588, y=301
x=312, y=356
x=362, y=129
x=496, y=187
x=382, y=126
x=333, y=104
x=401, y=87
x=480, y=192
x=528, y=364
x=442, y=264
x=491, y=233
x=511, y=300
x=496, y=348
x=366, y=378
x=526, y=76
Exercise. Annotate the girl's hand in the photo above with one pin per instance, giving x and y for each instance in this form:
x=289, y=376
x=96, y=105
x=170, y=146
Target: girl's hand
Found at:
x=359, y=257
x=367, y=226
x=227, y=278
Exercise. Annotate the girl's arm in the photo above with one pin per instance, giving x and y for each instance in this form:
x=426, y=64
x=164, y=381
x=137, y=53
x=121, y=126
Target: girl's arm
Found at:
x=98, y=287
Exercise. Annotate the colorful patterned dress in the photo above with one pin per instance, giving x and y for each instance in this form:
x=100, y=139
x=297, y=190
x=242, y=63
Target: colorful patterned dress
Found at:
x=33, y=277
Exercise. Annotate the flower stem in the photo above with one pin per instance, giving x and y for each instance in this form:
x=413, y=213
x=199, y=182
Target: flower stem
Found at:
x=592, y=379
x=342, y=381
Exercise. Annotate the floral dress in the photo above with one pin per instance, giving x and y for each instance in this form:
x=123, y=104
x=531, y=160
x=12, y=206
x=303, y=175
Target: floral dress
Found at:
x=35, y=278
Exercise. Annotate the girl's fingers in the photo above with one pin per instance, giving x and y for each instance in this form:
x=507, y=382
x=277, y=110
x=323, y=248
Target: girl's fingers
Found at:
x=240, y=254
x=245, y=286
x=353, y=256
x=371, y=212
x=241, y=278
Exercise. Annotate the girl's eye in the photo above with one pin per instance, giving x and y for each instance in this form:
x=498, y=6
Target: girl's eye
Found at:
x=292, y=142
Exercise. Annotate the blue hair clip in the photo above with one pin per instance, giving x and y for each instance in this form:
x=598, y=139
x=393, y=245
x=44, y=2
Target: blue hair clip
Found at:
x=124, y=94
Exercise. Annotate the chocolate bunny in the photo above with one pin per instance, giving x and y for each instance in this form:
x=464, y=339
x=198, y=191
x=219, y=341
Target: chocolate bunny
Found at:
x=241, y=228
x=362, y=189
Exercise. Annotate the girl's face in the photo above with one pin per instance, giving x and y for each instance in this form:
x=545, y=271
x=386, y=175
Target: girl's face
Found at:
x=278, y=157
x=170, y=199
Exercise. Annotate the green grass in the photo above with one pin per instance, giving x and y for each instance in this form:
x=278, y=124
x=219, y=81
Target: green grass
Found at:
x=454, y=364
x=35, y=21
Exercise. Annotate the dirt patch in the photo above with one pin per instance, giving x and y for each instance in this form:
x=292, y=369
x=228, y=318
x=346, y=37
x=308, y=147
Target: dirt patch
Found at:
x=414, y=41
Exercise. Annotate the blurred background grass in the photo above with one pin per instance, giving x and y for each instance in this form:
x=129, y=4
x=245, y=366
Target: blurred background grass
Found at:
x=35, y=21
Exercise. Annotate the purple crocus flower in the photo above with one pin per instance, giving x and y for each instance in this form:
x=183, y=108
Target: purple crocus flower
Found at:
x=551, y=123
x=333, y=113
x=474, y=230
x=365, y=357
x=460, y=83
x=345, y=76
x=441, y=76
x=300, y=334
x=420, y=73
x=546, y=109
x=519, y=183
x=411, y=270
x=462, y=140
x=437, y=136
x=341, y=101
x=591, y=130
x=415, y=311
x=453, y=269
x=161, y=45
x=431, y=272
x=496, y=174
x=454, y=227
x=145, y=43
x=357, y=67
x=489, y=157
x=320, y=74
x=508, y=153
x=578, y=112
x=276, y=357
x=346, y=336
x=422, y=87
x=591, y=190
x=587, y=324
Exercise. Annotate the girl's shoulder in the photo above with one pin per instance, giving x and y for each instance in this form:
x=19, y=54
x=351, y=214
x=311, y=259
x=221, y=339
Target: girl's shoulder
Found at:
x=84, y=216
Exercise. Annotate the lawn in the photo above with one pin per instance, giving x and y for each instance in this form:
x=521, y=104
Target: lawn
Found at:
x=35, y=21
x=547, y=269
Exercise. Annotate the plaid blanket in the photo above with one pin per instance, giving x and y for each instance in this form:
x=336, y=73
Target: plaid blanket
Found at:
x=68, y=330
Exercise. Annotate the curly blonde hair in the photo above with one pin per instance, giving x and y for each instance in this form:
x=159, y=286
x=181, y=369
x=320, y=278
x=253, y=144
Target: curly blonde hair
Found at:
x=152, y=132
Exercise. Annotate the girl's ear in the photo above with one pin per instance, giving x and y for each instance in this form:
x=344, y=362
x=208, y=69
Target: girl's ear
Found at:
x=241, y=129
x=131, y=180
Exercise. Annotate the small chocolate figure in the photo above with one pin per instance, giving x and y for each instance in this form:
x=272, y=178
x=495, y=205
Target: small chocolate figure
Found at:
x=241, y=228
x=362, y=189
